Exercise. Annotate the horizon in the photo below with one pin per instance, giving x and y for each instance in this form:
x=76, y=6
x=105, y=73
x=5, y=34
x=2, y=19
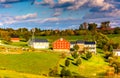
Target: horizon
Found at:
x=57, y=14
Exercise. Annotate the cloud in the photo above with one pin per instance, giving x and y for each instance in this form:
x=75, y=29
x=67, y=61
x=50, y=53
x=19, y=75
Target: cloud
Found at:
x=114, y=13
x=6, y=19
x=27, y=16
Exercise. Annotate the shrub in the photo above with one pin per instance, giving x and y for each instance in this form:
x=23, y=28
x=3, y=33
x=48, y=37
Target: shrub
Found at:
x=86, y=55
x=67, y=62
x=78, y=62
x=65, y=72
x=75, y=55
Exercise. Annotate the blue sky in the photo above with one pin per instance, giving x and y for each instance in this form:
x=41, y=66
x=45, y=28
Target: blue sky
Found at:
x=57, y=14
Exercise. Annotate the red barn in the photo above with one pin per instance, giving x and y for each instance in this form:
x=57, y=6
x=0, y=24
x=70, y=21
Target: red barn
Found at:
x=15, y=39
x=61, y=45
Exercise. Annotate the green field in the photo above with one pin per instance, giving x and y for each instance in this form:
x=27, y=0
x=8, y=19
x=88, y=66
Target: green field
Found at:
x=69, y=38
x=115, y=37
x=34, y=63
x=94, y=67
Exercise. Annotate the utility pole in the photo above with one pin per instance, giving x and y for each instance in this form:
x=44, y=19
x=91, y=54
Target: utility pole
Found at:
x=33, y=33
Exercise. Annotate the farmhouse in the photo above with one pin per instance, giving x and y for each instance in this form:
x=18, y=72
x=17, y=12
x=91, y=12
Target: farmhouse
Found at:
x=61, y=45
x=15, y=39
x=72, y=44
x=80, y=44
x=90, y=46
x=39, y=43
x=116, y=52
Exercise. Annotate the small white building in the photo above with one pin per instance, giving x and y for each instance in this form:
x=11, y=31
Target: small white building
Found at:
x=72, y=44
x=116, y=52
x=91, y=46
x=38, y=43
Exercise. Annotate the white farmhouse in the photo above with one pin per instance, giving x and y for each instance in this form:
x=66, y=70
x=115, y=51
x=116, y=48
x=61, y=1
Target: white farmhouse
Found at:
x=39, y=43
x=116, y=52
x=91, y=46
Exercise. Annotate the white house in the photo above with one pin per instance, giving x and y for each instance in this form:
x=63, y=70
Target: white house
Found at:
x=72, y=44
x=39, y=43
x=116, y=52
x=91, y=46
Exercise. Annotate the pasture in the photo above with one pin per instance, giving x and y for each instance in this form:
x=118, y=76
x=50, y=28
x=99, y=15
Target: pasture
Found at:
x=29, y=62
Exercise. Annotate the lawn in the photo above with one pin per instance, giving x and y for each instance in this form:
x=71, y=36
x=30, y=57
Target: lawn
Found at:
x=94, y=67
x=34, y=63
x=69, y=38
x=14, y=74
x=115, y=37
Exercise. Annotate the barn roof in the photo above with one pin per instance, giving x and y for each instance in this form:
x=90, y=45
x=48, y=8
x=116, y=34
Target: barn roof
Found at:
x=39, y=40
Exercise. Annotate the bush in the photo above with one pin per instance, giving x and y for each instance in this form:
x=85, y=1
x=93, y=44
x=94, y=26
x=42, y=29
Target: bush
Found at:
x=86, y=55
x=78, y=62
x=65, y=72
x=67, y=62
x=75, y=55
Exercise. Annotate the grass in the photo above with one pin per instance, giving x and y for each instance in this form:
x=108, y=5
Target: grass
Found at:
x=115, y=37
x=94, y=67
x=35, y=63
x=19, y=44
x=69, y=38
x=14, y=74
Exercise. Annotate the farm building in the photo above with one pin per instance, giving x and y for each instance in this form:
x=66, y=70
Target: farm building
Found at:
x=80, y=44
x=72, y=44
x=61, y=45
x=15, y=39
x=90, y=46
x=116, y=52
x=39, y=43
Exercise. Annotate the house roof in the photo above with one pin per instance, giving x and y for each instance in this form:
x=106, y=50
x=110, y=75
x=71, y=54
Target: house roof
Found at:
x=79, y=41
x=87, y=42
x=72, y=42
x=15, y=38
x=40, y=40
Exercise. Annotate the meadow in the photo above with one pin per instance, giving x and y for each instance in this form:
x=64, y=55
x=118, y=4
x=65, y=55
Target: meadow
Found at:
x=33, y=63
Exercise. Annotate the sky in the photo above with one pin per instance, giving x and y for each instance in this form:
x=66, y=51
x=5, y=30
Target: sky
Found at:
x=57, y=14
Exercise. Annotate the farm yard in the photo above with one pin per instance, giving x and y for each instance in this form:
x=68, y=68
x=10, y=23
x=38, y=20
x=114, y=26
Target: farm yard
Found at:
x=38, y=62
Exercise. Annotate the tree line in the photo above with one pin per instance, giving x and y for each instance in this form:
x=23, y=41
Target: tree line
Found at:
x=84, y=29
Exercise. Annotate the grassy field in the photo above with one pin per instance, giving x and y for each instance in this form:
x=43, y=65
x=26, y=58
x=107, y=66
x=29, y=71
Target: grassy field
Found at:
x=14, y=74
x=69, y=38
x=34, y=63
x=94, y=67
x=115, y=37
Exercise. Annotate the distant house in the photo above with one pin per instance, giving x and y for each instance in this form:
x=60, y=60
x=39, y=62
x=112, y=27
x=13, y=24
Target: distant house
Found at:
x=116, y=52
x=90, y=46
x=39, y=43
x=61, y=45
x=80, y=44
x=15, y=39
x=72, y=44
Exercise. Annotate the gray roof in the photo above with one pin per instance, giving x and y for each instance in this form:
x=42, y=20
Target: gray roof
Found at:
x=90, y=42
x=39, y=40
x=72, y=42
x=79, y=41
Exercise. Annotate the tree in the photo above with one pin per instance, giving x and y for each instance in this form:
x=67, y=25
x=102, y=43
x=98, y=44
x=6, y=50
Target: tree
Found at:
x=76, y=47
x=117, y=30
x=110, y=48
x=88, y=55
x=67, y=62
x=78, y=61
x=92, y=26
x=75, y=55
